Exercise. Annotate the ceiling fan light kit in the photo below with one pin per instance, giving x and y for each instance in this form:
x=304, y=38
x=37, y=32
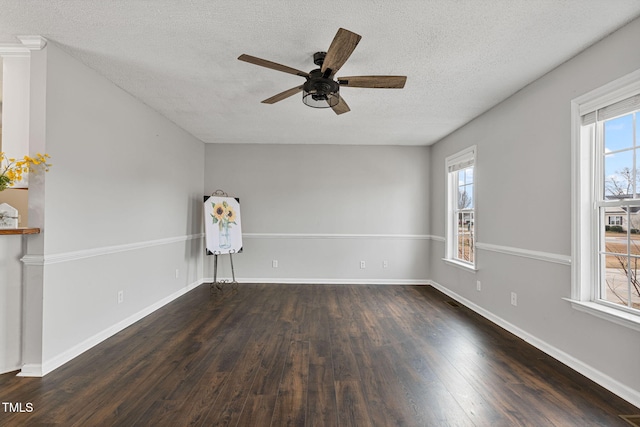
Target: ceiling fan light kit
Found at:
x=321, y=90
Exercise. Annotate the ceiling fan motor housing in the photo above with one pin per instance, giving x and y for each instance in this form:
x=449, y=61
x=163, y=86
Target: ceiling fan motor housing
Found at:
x=318, y=58
x=319, y=91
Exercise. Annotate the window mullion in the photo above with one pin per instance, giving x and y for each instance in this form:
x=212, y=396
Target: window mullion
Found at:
x=635, y=169
x=629, y=225
x=629, y=257
x=600, y=265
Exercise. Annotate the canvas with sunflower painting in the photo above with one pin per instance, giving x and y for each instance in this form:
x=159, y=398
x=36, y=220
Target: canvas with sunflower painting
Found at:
x=223, y=229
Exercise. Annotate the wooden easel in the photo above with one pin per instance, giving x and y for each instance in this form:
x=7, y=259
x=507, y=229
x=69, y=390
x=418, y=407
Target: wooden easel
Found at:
x=219, y=284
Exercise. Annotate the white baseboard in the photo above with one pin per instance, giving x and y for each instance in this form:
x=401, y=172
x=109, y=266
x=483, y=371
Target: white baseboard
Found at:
x=627, y=393
x=35, y=370
x=9, y=368
x=31, y=370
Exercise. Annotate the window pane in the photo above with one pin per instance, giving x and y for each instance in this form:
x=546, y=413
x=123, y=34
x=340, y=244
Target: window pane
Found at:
x=635, y=177
x=615, y=288
x=618, y=133
x=468, y=178
x=465, y=250
x=615, y=243
x=465, y=197
x=619, y=175
x=471, y=230
x=621, y=284
x=615, y=236
x=469, y=191
x=634, y=219
x=459, y=234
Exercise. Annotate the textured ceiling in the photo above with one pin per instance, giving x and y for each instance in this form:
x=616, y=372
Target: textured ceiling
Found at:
x=180, y=57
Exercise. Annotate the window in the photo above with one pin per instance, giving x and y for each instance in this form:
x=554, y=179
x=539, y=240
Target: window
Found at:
x=461, y=208
x=606, y=201
x=614, y=220
x=617, y=148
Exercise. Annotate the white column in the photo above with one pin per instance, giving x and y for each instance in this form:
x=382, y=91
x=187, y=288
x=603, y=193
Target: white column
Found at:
x=33, y=328
x=15, y=105
x=15, y=143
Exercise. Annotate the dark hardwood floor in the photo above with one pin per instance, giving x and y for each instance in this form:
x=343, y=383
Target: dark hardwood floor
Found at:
x=312, y=355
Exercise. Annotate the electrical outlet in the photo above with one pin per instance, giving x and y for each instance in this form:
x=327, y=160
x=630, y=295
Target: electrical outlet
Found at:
x=385, y=264
x=478, y=286
x=120, y=297
x=274, y=263
x=363, y=264
x=177, y=273
x=514, y=298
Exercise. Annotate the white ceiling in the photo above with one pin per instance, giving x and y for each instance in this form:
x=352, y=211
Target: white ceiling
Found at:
x=180, y=57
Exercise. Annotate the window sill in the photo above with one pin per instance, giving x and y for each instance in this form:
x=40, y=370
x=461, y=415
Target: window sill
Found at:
x=461, y=265
x=623, y=318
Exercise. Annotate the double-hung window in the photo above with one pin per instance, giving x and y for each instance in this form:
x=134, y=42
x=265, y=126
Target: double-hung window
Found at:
x=461, y=208
x=606, y=202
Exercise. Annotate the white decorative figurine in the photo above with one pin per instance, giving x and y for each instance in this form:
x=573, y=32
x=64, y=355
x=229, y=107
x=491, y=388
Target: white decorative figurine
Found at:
x=8, y=216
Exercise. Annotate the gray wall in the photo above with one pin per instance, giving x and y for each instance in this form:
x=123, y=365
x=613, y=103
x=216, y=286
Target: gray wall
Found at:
x=119, y=210
x=320, y=210
x=523, y=174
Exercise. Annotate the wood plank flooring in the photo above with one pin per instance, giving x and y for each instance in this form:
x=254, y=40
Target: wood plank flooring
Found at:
x=312, y=355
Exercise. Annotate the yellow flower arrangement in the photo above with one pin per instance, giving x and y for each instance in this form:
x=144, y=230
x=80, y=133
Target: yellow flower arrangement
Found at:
x=218, y=211
x=223, y=215
x=12, y=170
x=231, y=215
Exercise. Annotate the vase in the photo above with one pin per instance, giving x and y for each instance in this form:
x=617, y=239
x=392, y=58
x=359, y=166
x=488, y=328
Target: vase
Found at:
x=225, y=242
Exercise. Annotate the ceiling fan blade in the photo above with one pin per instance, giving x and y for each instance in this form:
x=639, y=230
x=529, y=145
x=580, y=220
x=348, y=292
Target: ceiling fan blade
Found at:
x=382, y=82
x=282, y=95
x=340, y=50
x=341, y=107
x=273, y=65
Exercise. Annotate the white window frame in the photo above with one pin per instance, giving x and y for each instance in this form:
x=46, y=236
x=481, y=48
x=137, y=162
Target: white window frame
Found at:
x=586, y=183
x=453, y=164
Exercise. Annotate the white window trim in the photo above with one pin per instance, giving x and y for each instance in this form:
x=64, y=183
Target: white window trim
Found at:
x=463, y=265
x=584, y=219
x=464, y=157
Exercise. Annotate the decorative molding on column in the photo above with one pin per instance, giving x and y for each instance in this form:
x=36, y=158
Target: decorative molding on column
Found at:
x=33, y=42
x=24, y=48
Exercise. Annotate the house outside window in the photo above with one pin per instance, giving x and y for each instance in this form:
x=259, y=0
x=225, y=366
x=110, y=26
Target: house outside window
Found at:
x=461, y=227
x=606, y=202
x=615, y=220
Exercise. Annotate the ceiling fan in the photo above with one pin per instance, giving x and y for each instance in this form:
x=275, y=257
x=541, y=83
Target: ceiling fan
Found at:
x=322, y=89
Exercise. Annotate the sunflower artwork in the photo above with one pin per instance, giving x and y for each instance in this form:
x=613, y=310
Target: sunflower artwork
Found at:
x=222, y=225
